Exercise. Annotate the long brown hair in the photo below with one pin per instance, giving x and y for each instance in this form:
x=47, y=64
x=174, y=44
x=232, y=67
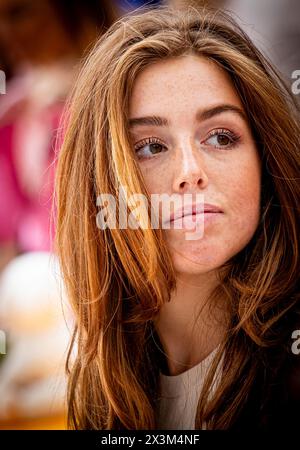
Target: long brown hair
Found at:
x=117, y=279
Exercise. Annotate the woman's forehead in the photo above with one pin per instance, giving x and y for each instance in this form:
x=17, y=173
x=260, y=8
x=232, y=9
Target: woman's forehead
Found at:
x=187, y=83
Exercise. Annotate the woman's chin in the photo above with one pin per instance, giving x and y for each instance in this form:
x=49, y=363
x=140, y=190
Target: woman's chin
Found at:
x=193, y=264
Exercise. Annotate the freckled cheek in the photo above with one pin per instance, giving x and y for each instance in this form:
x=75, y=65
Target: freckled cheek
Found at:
x=243, y=202
x=156, y=179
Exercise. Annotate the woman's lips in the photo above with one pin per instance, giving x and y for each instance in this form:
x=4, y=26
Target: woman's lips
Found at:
x=191, y=220
x=190, y=215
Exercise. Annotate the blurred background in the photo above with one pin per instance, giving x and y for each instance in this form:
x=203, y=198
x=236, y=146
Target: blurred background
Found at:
x=42, y=43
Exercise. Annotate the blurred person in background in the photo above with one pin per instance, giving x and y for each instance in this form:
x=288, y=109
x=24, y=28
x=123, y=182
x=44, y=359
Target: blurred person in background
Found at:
x=42, y=43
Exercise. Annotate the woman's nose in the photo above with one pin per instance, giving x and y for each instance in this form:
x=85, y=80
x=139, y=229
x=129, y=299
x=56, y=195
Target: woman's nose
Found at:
x=189, y=171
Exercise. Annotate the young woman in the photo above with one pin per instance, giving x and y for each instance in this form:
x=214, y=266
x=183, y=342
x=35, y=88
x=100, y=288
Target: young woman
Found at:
x=175, y=332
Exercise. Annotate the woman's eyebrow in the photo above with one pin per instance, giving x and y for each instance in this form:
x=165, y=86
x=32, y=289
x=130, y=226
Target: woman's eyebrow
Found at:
x=201, y=116
x=148, y=120
x=219, y=109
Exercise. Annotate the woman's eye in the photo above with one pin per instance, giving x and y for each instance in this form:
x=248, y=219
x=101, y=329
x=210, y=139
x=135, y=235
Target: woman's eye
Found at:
x=222, y=139
x=149, y=147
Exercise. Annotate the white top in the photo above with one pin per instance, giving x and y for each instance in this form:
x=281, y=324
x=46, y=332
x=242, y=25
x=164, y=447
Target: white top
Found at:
x=179, y=395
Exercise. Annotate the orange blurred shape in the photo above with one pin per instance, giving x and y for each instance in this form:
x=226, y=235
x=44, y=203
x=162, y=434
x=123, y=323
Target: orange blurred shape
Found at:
x=58, y=422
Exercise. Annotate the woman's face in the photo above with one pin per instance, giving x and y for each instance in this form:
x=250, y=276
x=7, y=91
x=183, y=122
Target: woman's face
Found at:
x=199, y=143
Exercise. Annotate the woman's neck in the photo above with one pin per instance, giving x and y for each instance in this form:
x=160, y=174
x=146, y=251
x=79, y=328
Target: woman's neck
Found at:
x=190, y=326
